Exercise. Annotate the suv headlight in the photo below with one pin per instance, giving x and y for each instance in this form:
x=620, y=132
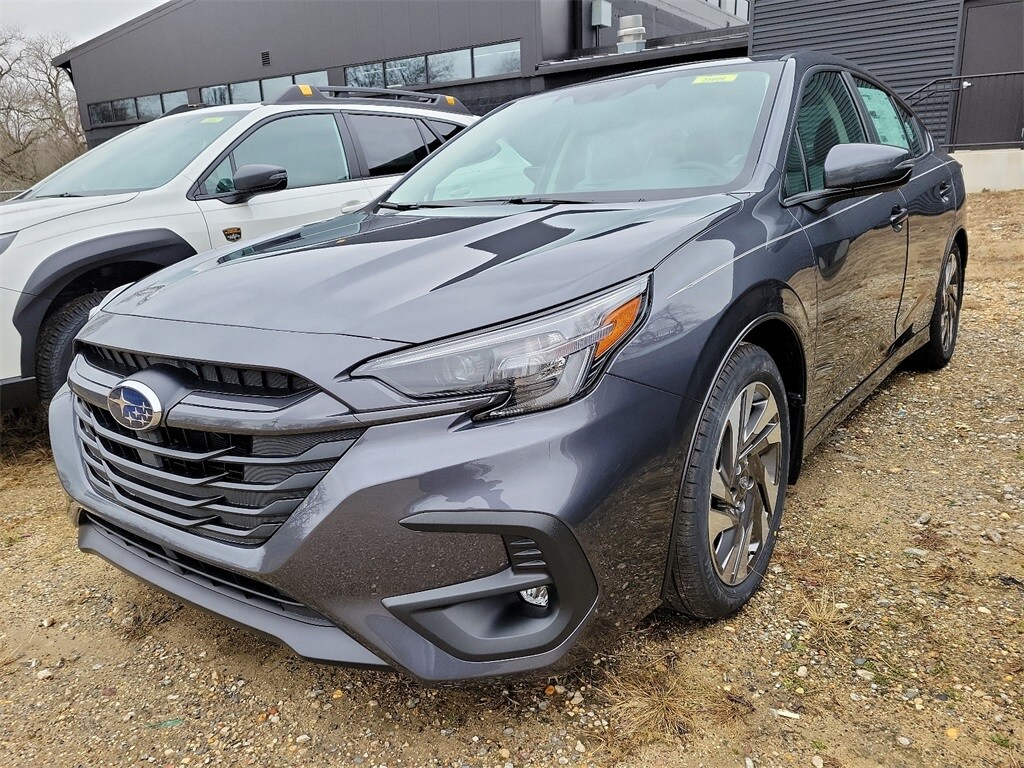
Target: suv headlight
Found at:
x=541, y=363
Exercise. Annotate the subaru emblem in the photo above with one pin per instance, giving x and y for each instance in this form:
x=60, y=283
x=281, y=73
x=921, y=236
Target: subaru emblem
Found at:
x=135, y=406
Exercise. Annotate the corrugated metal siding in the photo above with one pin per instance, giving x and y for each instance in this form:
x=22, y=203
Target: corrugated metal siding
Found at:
x=906, y=43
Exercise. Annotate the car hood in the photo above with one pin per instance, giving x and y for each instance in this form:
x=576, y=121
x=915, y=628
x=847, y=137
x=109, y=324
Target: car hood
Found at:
x=16, y=215
x=421, y=275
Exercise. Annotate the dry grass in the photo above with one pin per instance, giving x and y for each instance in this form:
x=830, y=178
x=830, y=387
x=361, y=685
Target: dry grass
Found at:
x=23, y=439
x=829, y=627
x=653, y=699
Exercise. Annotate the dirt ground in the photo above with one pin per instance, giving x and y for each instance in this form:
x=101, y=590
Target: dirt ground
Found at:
x=889, y=632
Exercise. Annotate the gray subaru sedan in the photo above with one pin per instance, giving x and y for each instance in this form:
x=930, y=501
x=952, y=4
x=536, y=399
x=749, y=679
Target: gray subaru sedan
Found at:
x=560, y=374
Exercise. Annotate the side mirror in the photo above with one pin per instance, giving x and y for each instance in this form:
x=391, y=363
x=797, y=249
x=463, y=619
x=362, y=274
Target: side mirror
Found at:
x=254, y=178
x=865, y=168
x=854, y=170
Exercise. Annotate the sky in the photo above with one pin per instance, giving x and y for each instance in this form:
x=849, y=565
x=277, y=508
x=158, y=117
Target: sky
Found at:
x=80, y=20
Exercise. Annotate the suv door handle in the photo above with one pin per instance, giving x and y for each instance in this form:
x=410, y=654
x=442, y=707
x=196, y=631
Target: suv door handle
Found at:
x=352, y=205
x=899, y=217
x=944, y=189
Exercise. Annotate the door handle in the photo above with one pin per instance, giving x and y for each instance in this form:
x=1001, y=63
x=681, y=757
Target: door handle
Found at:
x=944, y=189
x=352, y=205
x=899, y=217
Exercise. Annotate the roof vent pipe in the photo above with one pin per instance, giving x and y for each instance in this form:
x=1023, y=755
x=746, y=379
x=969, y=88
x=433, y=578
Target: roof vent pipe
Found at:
x=632, y=35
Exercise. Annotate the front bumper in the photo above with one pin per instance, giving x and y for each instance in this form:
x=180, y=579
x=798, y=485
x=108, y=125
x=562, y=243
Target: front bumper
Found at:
x=411, y=550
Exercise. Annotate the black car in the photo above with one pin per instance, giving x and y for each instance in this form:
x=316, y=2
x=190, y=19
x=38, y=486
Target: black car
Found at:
x=559, y=375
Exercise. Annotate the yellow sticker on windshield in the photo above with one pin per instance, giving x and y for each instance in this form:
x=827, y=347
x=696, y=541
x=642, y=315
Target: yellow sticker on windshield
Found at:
x=211, y=119
x=714, y=79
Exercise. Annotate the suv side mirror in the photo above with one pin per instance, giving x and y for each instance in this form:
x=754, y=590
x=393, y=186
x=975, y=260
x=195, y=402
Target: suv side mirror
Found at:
x=254, y=178
x=866, y=168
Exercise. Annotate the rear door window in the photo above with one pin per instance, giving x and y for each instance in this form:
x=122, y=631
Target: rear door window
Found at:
x=391, y=145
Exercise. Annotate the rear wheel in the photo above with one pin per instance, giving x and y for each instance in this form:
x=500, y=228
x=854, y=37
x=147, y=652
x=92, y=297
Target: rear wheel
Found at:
x=733, y=488
x=945, y=322
x=56, y=343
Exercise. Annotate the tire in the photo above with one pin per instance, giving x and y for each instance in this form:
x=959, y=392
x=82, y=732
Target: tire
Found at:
x=56, y=349
x=718, y=506
x=945, y=323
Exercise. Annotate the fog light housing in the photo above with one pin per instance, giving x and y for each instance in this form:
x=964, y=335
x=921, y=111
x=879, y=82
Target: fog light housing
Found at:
x=536, y=596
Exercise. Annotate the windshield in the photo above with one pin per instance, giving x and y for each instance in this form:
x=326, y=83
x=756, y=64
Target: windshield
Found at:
x=640, y=137
x=144, y=158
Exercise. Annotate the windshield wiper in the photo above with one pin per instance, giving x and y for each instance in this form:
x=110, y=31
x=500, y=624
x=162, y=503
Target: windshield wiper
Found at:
x=542, y=200
x=412, y=206
x=62, y=194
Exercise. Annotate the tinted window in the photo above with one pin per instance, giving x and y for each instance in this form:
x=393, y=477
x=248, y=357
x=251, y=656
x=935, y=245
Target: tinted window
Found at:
x=444, y=130
x=100, y=113
x=498, y=59
x=365, y=75
x=882, y=111
x=913, y=129
x=796, y=178
x=307, y=146
x=391, y=144
x=406, y=71
x=215, y=95
x=453, y=65
x=149, y=107
x=124, y=109
x=174, y=99
x=245, y=93
x=827, y=117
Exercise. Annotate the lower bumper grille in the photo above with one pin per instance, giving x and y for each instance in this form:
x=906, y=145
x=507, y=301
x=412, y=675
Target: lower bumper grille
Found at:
x=233, y=488
x=226, y=582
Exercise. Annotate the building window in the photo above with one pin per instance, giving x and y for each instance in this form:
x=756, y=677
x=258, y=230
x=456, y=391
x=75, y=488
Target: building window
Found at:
x=100, y=113
x=315, y=79
x=149, y=107
x=174, y=99
x=452, y=65
x=245, y=93
x=123, y=110
x=411, y=71
x=215, y=95
x=500, y=59
x=274, y=87
x=365, y=75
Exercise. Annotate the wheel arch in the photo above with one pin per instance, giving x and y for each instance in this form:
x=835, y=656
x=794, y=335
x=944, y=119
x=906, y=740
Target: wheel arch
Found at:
x=771, y=316
x=960, y=239
x=102, y=263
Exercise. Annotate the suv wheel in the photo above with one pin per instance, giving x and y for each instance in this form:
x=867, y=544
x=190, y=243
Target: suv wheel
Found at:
x=56, y=349
x=733, y=488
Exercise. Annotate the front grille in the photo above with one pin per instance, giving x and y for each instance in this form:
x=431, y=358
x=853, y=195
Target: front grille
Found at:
x=226, y=582
x=213, y=377
x=233, y=488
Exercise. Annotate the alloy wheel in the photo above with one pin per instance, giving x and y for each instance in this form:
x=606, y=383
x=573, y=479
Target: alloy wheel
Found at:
x=950, y=298
x=745, y=483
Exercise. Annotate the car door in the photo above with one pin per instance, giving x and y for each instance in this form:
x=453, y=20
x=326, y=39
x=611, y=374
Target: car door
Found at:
x=928, y=197
x=860, y=245
x=322, y=178
x=390, y=145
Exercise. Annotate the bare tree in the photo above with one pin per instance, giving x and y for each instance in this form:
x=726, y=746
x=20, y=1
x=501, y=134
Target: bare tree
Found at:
x=39, y=125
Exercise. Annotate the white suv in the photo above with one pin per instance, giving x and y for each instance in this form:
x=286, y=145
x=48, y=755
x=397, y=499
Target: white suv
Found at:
x=194, y=179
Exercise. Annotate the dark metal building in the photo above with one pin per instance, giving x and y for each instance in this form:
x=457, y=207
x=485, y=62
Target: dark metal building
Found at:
x=959, y=62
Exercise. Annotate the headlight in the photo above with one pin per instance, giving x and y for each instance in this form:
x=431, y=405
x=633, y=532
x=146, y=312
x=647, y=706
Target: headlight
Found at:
x=541, y=363
x=6, y=239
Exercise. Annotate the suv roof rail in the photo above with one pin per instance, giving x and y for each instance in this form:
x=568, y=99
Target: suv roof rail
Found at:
x=184, y=108
x=305, y=94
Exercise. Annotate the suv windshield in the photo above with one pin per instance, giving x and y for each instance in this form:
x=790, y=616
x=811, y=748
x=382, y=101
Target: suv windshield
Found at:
x=647, y=136
x=144, y=158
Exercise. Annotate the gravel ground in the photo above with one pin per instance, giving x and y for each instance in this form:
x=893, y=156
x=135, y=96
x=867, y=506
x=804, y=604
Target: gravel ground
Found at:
x=889, y=632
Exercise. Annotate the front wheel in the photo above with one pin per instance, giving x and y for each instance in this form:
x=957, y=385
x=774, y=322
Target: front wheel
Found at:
x=733, y=489
x=56, y=342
